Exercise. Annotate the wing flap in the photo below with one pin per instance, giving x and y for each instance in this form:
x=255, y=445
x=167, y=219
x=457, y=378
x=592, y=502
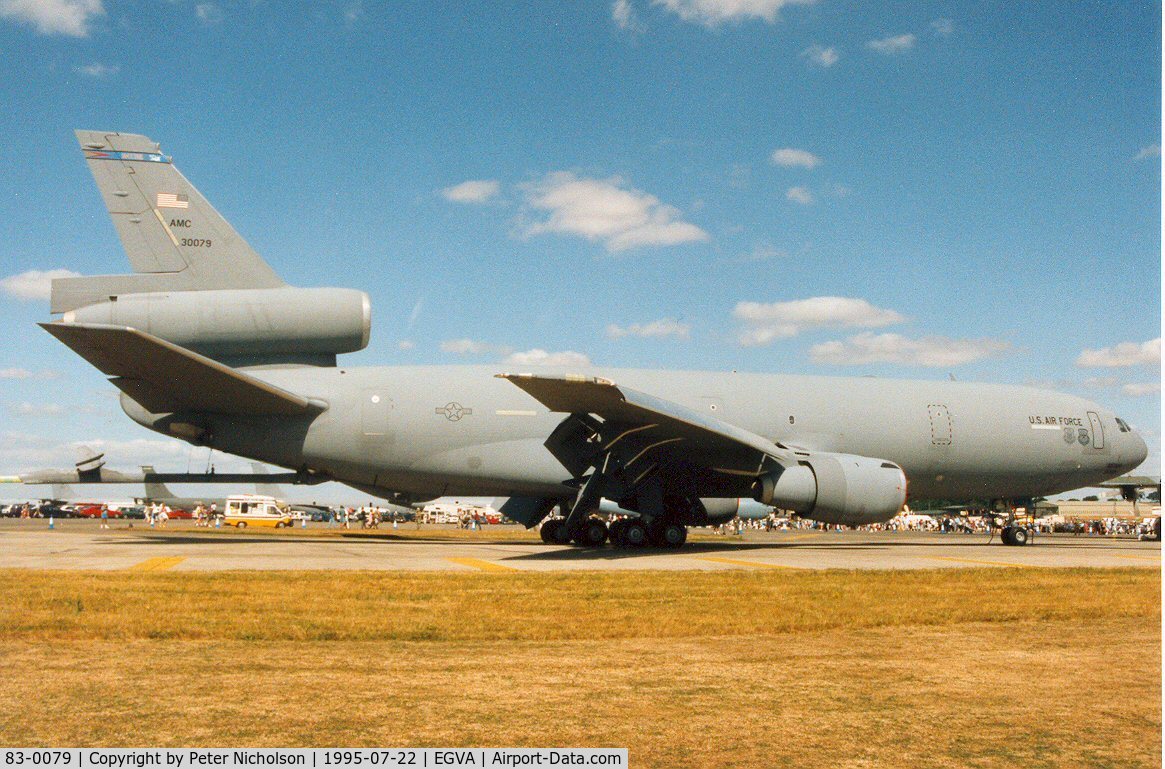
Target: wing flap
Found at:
x=164, y=377
x=701, y=438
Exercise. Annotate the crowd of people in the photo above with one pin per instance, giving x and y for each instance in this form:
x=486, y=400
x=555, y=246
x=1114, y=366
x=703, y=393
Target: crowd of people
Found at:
x=973, y=524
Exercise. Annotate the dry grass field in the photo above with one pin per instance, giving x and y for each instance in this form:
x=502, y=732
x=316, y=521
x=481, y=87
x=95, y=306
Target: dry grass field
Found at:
x=949, y=668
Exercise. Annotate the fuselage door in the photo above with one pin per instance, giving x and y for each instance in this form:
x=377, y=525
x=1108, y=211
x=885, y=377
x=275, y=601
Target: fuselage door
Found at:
x=376, y=414
x=1097, y=430
x=941, y=429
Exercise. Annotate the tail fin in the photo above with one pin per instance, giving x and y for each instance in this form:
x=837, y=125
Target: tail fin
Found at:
x=173, y=237
x=63, y=492
x=265, y=489
x=155, y=490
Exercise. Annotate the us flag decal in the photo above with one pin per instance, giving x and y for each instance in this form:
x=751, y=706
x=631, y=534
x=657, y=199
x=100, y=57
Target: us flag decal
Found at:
x=170, y=200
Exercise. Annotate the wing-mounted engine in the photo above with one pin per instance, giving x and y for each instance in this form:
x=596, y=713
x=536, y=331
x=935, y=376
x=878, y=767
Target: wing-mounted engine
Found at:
x=835, y=488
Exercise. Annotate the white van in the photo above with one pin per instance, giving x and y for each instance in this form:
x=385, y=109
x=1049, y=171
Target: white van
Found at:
x=246, y=510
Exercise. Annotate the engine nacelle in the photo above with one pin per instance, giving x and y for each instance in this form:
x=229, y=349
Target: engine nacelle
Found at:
x=716, y=512
x=254, y=323
x=836, y=488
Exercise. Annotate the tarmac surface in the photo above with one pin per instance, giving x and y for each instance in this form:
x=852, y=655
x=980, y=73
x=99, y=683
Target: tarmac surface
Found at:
x=81, y=545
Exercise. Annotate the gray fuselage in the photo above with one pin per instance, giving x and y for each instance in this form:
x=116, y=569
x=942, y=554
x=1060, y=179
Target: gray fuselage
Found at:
x=431, y=431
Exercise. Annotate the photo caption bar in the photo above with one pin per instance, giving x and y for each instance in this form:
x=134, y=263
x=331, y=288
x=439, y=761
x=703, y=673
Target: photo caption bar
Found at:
x=312, y=758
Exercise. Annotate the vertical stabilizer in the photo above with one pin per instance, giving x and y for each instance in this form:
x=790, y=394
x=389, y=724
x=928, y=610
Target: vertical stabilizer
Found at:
x=155, y=490
x=173, y=237
x=265, y=489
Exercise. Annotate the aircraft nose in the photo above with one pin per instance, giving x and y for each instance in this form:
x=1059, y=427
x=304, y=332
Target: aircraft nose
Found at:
x=1138, y=450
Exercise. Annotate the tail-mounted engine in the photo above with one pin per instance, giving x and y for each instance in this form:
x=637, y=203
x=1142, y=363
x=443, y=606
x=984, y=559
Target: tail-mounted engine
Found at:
x=270, y=324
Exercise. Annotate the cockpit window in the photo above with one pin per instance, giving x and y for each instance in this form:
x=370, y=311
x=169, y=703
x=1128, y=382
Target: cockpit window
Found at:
x=1123, y=425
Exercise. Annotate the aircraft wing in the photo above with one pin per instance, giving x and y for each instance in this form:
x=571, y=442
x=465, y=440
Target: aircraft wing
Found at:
x=164, y=377
x=650, y=424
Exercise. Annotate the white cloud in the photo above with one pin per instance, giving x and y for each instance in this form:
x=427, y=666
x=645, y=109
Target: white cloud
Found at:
x=21, y=452
x=657, y=328
x=53, y=17
x=932, y=351
x=739, y=176
x=711, y=13
x=473, y=347
x=625, y=17
x=820, y=55
x=473, y=191
x=892, y=45
x=1141, y=389
x=539, y=357
x=1123, y=355
x=943, y=27
x=1100, y=382
x=354, y=12
x=416, y=313
x=98, y=70
x=34, y=284
x=27, y=409
x=405, y=344
x=763, y=252
x=1150, y=151
x=766, y=323
x=800, y=195
x=791, y=158
x=23, y=373
x=208, y=13
x=601, y=209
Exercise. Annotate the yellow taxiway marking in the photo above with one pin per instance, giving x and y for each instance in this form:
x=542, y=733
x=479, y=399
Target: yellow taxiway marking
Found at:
x=975, y=560
x=158, y=564
x=477, y=563
x=753, y=564
x=1140, y=557
x=806, y=535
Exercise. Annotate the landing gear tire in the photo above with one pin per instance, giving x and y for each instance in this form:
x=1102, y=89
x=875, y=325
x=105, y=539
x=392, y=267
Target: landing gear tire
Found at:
x=1007, y=535
x=615, y=532
x=1019, y=536
x=593, y=533
x=634, y=534
x=549, y=531
x=668, y=534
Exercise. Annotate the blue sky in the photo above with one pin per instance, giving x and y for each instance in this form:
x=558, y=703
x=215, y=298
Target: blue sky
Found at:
x=901, y=189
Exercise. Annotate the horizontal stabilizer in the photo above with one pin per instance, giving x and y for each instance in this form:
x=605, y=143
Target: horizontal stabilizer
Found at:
x=164, y=378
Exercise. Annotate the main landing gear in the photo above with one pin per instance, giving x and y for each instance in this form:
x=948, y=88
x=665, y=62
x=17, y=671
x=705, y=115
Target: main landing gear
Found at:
x=623, y=533
x=1015, y=535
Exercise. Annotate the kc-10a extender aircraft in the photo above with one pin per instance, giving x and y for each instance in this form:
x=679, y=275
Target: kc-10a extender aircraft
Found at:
x=208, y=344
